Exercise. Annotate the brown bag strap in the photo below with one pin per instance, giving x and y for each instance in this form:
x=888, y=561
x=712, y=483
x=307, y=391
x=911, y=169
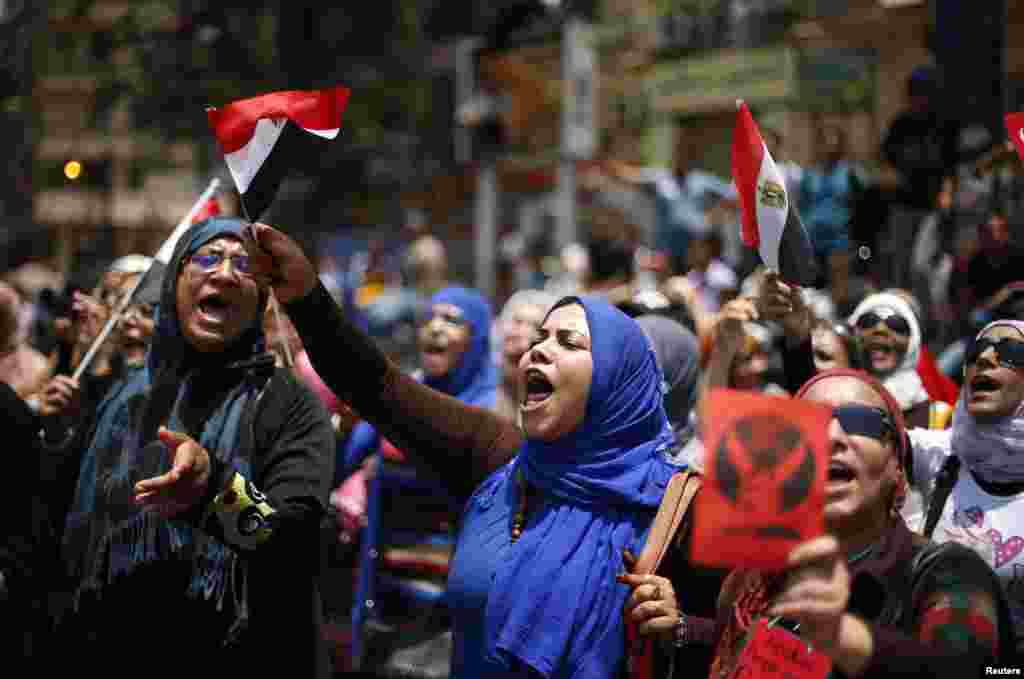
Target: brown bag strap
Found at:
x=671, y=512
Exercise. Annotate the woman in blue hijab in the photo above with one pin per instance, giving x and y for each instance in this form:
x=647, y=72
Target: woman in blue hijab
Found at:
x=195, y=519
x=532, y=583
x=454, y=341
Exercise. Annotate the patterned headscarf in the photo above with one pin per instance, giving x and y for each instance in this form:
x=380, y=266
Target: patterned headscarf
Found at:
x=994, y=451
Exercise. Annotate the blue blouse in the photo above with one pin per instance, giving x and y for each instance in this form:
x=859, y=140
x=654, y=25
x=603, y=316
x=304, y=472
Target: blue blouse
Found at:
x=485, y=540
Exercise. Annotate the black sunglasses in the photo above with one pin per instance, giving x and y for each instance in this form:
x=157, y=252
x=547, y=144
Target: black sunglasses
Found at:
x=861, y=420
x=893, y=321
x=1009, y=352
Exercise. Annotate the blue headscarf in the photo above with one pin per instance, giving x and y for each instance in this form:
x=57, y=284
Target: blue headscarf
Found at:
x=107, y=536
x=555, y=602
x=475, y=379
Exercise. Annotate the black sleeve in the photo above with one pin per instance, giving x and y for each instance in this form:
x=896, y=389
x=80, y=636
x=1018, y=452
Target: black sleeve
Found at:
x=896, y=145
x=459, y=443
x=797, y=364
x=278, y=509
x=18, y=507
x=959, y=619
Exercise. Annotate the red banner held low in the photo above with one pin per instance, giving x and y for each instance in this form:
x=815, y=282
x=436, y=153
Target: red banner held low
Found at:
x=766, y=462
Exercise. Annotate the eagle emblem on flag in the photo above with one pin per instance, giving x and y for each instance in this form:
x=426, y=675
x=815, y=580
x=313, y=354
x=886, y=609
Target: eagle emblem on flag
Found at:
x=772, y=194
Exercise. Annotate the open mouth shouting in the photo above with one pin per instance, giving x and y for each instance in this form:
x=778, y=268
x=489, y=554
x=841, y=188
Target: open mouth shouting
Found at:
x=436, y=356
x=538, y=390
x=984, y=386
x=133, y=342
x=839, y=474
x=883, y=353
x=216, y=309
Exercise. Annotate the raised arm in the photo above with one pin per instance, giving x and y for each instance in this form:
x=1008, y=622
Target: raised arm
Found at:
x=779, y=301
x=461, y=444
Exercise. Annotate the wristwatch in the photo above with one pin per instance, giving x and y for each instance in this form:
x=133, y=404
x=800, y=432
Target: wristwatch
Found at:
x=681, y=634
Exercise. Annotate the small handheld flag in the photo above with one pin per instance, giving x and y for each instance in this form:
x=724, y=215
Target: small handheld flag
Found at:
x=1015, y=128
x=264, y=137
x=210, y=208
x=770, y=222
x=152, y=276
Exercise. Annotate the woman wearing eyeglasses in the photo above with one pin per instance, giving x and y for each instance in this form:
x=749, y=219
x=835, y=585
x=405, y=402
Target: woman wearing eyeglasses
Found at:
x=195, y=520
x=972, y=475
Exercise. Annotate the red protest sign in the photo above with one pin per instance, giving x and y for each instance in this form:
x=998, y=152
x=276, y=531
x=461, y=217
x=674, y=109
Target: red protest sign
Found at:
x=774, y=653
x=766, y=461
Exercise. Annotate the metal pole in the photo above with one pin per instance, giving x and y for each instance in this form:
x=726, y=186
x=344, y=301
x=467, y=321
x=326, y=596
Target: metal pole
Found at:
x=567, y=231
x=486, y=220
x=578, y=137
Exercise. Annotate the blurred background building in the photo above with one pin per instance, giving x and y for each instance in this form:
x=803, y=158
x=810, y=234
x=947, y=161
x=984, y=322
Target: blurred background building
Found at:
x=103, y=104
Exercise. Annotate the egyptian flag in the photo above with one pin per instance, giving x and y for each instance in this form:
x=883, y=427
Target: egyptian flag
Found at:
x=211, y=208
x=1015, y=128
x=770, y=222
x=265, y=137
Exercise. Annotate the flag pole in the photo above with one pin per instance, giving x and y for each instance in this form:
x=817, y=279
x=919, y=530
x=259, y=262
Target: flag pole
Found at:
x=122, y=305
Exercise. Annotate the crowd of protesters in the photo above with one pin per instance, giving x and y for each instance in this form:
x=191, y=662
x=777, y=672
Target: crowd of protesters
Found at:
x=168, y=501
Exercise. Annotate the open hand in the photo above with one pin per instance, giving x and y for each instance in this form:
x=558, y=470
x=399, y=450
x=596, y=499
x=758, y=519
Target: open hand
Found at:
x=278, y=261
x=184, y=485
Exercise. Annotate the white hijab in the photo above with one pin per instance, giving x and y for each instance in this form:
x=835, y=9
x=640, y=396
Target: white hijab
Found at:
x=995, y=451
x=903, y=383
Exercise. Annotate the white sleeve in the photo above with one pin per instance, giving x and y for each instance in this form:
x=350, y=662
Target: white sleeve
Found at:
x=930, y=449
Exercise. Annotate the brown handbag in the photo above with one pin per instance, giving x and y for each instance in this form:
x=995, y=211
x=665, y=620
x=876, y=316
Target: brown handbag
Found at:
x=675, y=505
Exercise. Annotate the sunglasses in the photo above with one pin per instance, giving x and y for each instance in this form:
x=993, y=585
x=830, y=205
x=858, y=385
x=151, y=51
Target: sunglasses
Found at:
x=861, y=420
x=892, y=320
x=208, y=262
x=1009, y=352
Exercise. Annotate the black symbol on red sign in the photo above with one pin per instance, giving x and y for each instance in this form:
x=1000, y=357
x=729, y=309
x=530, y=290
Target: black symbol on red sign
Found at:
x=766, y=467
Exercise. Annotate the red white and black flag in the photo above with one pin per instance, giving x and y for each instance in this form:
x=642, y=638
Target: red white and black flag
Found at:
x=265, y=137
x=1015, y=128
x=770, y=222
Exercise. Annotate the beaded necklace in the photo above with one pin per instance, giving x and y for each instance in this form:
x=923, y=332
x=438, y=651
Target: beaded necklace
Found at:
x=519, y=518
